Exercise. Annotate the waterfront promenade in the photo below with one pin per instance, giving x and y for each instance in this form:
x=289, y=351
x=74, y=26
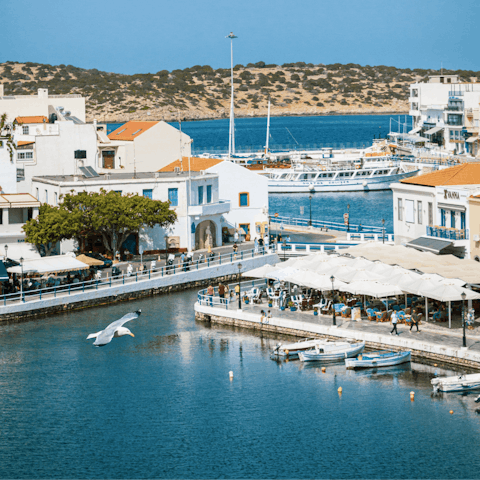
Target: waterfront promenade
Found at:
x=434, y=342
x=128, y=287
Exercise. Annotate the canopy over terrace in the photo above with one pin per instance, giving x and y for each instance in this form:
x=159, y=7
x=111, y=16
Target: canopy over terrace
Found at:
x=57, y=263
x=447, y=266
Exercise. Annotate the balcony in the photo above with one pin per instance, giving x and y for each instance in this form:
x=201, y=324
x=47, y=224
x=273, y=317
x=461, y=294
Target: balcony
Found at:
x=206, y=209
x=455, y=94
x=449, y=233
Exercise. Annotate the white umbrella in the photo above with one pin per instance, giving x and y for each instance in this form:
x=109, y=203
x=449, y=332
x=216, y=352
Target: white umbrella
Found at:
x=314, y=280
x=373, y=289
x=361, y=263
x=451, y=293
x=355, y=275
x=282, y=273
x=379, y=267
x=261, y=272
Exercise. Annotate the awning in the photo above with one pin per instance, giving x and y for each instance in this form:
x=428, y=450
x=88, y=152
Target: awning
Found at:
x=472, y=139
x=90, y=261
x=415, y=130
x=3, y=273
x=433, y=130
x=447, y=206
x=430, y=244
x=24, y=250
x=55, y=263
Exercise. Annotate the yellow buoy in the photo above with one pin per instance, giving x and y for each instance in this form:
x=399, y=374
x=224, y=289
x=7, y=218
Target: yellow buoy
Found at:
x=340, y=390
x=324, y=369
x=412, y=396
x=434, y=364
x=286, y=353
x=230, y=374
x=451, y=412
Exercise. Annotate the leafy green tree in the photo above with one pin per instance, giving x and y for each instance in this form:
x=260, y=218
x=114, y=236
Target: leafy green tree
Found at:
x=52, y=225
x=115, y=216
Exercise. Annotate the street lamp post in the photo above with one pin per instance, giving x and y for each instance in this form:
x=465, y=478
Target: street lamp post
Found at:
x=239, y=288
x=332, y=278
x=21, y=284
x=231, y=136
x=284, y=249
x=6, y=250
x=383, y=230
x=463, y=319
x=310, y=198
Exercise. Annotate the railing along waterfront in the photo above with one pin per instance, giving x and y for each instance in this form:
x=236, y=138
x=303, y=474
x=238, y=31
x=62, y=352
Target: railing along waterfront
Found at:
x=309, y=248
x=129, y=278
x=231, y=298
x=324, y=225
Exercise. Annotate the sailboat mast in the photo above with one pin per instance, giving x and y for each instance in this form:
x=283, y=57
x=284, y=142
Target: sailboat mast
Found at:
x=268, y=128
x=231, y=135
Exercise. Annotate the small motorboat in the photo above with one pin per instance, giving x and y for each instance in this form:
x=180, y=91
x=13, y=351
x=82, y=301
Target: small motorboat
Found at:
x=332, y=351
x=290, y=350
x=378, y=359
x=458, y=383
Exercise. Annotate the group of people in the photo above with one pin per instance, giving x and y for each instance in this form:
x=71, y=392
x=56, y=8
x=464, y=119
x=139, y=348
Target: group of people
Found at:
x=415, y=320
x=265, y=317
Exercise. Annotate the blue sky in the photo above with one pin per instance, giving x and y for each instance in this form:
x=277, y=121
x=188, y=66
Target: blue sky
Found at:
x=150, y=35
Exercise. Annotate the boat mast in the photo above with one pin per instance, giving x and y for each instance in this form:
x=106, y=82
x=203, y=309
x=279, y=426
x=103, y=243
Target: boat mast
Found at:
x=268, y=128
x=231, y=137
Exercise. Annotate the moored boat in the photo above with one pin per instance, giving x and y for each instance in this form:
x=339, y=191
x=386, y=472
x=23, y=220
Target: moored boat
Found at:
x=458, y=383
x=378, y=359
x=332, y=351
x=291, y=350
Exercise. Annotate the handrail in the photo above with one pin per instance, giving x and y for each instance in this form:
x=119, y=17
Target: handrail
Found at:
x=132, y=277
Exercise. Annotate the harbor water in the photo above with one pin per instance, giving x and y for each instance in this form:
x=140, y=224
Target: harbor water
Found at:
x=161, y=405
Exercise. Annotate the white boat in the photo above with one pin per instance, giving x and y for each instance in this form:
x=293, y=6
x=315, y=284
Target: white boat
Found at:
x=378, y=359
x=332, y=351
x=317, y=178
x=458, y=383
x=291, y=350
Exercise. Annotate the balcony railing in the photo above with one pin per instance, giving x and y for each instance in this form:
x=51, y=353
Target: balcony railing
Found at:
x=445, y=232
x=222, y=206
x=455, y=94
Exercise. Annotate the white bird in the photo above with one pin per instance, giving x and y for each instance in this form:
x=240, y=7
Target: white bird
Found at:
x=115, y=329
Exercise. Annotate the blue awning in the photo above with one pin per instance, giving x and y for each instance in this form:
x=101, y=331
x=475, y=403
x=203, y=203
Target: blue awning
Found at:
x=3, y=273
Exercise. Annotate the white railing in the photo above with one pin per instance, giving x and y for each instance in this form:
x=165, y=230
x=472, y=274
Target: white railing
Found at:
x=365, y=237
x=309, y=248
x=132, y=277
x=324, y=225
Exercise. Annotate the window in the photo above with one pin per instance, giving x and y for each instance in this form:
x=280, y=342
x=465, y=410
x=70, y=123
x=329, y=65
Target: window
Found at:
x=409, y=211
x=462, y=220
x=209, y=194
x=452, y=218
x=46, y=196
x=243, y=199
x=200, y=195
x=25, y=130
x=148, y=193
x=37, y=194
x=419, y=212
x=173, y=196
x=400, y=209
x=443, y=219
x=56, y=198
x=24, y=155
x=430, y=213
x=245, y=227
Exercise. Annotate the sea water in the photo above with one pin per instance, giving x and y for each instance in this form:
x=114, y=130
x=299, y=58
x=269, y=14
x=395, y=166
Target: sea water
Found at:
x=162, y=405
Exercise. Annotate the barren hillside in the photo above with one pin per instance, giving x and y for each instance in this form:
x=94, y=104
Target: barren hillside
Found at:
x=201, y=92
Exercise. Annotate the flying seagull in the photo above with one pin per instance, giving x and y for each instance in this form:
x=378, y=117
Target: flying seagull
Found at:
x=115, y=329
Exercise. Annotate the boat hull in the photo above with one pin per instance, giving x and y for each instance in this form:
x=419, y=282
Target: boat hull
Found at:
x=381, y=360
x=350, y=185
x=313, y=356
x=460, y=383
x=291, y=350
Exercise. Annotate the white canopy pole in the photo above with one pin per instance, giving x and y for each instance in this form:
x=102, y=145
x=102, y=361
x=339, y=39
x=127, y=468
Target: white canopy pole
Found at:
x=426, y=309
x=449, y=314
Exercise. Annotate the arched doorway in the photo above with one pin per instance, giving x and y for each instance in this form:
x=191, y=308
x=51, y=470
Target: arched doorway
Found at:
x=205, y=232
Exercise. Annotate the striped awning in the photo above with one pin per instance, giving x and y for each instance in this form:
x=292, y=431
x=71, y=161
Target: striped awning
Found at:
x=433, y=130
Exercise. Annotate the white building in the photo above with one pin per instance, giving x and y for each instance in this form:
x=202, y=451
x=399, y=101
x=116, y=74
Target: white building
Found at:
x=59, y=148
x=246, y=191
x=447, y=112
x=41, y=104
x=8, y=167
x=195, y=199
x=431, y=211
x=141, y=146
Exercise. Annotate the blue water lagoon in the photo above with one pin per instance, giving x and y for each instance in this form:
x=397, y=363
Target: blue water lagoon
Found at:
x=161, y=405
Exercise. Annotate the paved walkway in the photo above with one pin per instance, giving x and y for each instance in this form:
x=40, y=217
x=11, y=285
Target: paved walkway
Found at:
x=434, y=333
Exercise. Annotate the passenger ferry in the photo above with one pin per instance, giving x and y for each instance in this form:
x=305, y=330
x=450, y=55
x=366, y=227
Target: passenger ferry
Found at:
x=310, y=179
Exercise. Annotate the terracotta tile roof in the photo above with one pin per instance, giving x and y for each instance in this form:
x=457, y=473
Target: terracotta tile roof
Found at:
x=20, y=143
x=464, y=174
x=131, y=130
x=34, y=119
x=196, y=164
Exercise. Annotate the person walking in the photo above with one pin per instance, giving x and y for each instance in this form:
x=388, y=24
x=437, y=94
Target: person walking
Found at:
x=269, y=316
x=262, y=316
x=415, y=320
x=210, y=292
x=235, y=248
x=255, y=246
x=394, y=319
x=182, y=262
x=221, y=290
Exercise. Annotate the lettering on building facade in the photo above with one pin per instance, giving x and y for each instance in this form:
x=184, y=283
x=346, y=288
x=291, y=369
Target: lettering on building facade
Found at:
x=451, y=195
